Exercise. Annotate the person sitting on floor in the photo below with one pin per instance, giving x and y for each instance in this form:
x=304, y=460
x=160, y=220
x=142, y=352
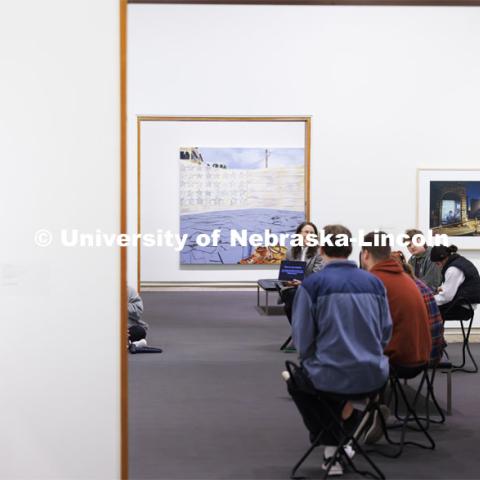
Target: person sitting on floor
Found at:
x=137, y=328
x=340, y=327
x=436, y=320
x=423, y=268
x=411, y=341
x=460, y=281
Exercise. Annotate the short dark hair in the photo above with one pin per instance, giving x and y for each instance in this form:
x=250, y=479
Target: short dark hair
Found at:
x=411, y=232
x=378, y=252
x=338, y=232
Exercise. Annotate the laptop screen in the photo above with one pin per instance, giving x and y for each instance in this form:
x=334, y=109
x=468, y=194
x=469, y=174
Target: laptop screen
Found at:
x=291, y=270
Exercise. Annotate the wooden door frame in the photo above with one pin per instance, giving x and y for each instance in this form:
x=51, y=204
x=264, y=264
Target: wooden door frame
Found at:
x=123, y=160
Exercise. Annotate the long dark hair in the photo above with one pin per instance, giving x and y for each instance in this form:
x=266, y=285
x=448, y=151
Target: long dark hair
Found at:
x=311, y=251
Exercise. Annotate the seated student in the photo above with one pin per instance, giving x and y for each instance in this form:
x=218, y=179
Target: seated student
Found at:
x=137, y=328
x=310, y=255
x=341, y=325
x=411, y=341
x=436, y=320
x=423, y=268
x=461, y=281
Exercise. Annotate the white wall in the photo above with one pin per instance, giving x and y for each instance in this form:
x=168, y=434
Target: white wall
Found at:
x=59, y=149
x=389, y=89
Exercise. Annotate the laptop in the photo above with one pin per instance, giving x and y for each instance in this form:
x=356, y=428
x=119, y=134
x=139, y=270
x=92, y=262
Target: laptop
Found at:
x=290, y=270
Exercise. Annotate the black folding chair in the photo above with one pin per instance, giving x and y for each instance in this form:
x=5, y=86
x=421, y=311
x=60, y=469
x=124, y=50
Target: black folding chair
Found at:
x=343, y=437
x=398, y=373
x=466, y=330
x=427, y=380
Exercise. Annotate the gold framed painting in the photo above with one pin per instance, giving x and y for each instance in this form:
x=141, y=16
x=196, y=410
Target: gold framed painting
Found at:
x=227, y=173
x=448, y=203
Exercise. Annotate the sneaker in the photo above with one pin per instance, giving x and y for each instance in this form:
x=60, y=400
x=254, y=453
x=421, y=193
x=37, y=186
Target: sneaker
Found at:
x=336, y=469
x=140, y=343
x=349, y=451
x=289, y=349
x=374, y=430
x=329, y=451
x=285, y=375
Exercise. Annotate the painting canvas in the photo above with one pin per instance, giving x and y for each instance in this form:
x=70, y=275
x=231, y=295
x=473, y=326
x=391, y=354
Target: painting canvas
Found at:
x=455, y=208
x=452, y=198
x=256, y=189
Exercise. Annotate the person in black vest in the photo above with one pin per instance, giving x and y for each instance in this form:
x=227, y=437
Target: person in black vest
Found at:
x=460, y=282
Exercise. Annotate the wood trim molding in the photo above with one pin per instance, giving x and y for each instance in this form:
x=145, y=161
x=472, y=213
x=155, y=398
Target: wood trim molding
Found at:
x=307, y=120
x=357, y=3
x=308, y=153
x=123, y=251
x=157, y=118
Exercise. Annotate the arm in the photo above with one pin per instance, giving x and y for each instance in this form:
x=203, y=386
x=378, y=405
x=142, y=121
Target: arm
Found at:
x=432, y=276
x=318, y=263
x=453, y=279
x=303, y=324
x=385, y=320
x=135, y=304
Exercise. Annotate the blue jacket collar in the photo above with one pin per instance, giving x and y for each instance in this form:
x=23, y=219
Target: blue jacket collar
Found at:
x=340, y=263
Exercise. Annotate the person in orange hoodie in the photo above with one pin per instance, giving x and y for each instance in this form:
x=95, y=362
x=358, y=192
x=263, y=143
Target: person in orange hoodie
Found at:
x=411, y=341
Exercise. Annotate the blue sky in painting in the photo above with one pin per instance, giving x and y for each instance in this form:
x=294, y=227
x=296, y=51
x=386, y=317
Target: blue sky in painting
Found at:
x=252, y=158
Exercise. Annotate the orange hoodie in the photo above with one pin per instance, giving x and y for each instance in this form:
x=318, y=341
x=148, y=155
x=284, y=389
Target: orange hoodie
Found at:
x=411, y=340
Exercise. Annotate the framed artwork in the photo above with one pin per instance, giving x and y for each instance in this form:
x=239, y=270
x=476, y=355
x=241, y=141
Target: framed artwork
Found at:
x=229, y=173
x=449, y=203
x=228, y=188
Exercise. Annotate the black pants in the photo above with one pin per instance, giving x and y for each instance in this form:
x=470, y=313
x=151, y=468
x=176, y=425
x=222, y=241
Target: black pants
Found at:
x=455, y=312
x=288, y=295
x=136, y=333
x=315, y=413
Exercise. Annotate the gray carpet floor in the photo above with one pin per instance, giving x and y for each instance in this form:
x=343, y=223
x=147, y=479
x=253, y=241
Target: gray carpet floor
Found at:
x=213, y=405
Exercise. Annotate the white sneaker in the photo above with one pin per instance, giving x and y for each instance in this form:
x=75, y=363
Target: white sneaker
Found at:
x=329, y=451
x=337, y=468
x=285, y=375
x=140, y=343
x=335, y=471
x=349, y=451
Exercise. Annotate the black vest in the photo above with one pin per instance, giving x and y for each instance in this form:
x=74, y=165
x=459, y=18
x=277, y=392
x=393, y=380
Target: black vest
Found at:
x=470, y=288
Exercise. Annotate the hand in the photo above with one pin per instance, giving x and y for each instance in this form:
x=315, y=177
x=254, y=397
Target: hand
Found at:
x=294, y=283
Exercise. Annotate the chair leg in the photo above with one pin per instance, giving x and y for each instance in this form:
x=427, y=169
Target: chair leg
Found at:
x=352, y=439
x=431, y=394
x=395, y=383
x=449, y=392
x=314, y=445
x=341, y=437
x=466, y=351
x=412, y=413
x=286, y=342
x=417, y=395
